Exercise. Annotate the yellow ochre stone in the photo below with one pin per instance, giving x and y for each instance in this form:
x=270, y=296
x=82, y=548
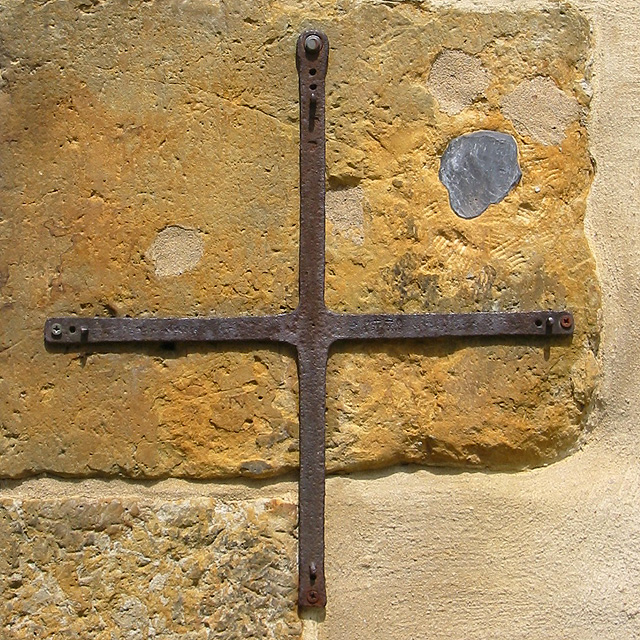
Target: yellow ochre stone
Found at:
x=122, y=120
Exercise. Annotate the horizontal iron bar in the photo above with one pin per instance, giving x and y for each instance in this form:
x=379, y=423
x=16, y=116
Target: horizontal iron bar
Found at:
x=434, y=325
x=292, y=328
x=72, y=330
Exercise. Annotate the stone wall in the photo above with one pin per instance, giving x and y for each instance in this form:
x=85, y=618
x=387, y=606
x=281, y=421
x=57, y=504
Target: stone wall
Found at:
x=150, y=169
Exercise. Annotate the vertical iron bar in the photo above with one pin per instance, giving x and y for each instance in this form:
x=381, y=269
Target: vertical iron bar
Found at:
x=312, y=374
x=312, y=55
x=312, y=68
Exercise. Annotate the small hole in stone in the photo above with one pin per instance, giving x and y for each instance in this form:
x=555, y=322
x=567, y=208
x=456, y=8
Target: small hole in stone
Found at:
x=72, y=329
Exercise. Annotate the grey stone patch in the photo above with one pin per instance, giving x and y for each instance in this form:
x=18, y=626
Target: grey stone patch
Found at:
x=479, y=169
x=176, y=250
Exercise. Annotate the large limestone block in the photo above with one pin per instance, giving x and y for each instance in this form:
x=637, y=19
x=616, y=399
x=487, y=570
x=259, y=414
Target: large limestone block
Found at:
x=149, y=168
x=129, y=568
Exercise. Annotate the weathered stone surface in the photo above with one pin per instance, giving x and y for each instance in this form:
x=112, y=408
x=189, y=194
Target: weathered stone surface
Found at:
x=121, y=120
x=479, y=169
x=133, y=569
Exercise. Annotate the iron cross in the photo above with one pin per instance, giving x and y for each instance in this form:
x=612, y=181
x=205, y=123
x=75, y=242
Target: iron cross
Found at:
x=311, y=328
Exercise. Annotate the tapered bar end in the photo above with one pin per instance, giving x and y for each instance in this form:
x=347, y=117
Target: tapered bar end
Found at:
x=311, y=590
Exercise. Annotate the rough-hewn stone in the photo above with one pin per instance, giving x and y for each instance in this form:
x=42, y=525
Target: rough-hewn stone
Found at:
x=121, y=120
x=132, y=569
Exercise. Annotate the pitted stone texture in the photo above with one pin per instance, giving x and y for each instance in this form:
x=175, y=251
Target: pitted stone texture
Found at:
x=192, y=569
x=539, y=109
x=123, y=119
x=456, y=79
x=479, y=169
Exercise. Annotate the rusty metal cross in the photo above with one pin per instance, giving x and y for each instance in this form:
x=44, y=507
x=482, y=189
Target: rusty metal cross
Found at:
x=311, y=328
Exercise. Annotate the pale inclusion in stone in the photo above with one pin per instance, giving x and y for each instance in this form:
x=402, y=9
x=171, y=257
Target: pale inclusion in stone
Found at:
x=479, y=169
x=175, y=250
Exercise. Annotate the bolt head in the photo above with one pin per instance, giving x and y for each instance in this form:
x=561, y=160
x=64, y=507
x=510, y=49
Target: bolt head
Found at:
x=565, y=322
x=312, y=44
x=56, y=330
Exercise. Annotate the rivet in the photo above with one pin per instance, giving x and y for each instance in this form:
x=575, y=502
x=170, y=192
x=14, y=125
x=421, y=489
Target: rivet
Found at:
x=312, y=44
